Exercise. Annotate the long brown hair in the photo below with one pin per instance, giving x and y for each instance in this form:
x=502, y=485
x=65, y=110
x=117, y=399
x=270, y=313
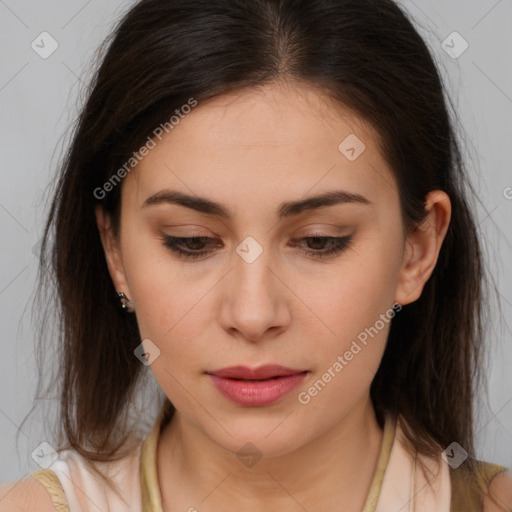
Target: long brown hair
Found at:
x=364, y=53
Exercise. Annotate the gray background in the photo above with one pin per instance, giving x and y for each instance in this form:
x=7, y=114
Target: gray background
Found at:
x=38, y=99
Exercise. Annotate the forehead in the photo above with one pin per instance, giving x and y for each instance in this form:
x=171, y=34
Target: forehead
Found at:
x=281, y=140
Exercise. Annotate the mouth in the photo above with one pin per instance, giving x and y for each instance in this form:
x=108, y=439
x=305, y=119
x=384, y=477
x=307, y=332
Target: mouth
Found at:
x=258, y=380
x=256, y=387
x=266, y=372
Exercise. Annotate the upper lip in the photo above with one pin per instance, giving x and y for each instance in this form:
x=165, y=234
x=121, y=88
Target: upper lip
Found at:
x=262, y=372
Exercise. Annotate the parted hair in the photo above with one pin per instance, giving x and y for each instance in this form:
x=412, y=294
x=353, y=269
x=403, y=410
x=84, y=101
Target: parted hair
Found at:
x=365, y=54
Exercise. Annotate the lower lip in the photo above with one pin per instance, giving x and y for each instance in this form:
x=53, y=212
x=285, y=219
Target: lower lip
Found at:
x=257, y=393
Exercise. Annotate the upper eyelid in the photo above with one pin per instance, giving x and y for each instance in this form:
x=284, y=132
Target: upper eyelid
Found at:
x=191, y=231
x=211, y=241
x=208, y=238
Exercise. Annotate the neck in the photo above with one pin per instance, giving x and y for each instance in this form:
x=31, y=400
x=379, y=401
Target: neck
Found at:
x=333, y=471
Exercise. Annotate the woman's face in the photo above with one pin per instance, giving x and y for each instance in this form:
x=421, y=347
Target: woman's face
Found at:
x=260, y=292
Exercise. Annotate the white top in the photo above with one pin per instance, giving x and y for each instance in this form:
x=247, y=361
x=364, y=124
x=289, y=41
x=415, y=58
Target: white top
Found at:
x=85, y=491
x=398, y=483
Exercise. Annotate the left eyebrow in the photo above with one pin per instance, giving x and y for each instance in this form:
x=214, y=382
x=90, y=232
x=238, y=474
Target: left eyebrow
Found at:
x=286, y=209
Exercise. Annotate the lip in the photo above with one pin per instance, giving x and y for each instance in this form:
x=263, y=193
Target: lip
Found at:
x=262, y=372
x=256, y=387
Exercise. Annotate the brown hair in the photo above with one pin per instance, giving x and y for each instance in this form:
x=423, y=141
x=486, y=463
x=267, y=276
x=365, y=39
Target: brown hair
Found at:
x=364, y=53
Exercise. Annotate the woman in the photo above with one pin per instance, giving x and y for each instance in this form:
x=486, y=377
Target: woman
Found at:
x=265, y=203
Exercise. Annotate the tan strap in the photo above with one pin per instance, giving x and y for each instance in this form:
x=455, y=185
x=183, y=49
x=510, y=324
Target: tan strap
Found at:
x=50, y=480
x=150, y=493
x=388, y=438
x=469, y=489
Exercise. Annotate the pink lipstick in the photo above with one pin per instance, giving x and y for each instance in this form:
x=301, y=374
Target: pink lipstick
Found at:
x=256, y=387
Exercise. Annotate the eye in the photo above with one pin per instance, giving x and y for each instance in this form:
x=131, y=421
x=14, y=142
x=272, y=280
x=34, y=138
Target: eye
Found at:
x=197, y=246
x=192, y=244
x=335, y=245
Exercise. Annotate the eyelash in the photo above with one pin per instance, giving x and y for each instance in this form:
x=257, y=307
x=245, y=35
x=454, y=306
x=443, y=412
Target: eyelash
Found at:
x=339, y=244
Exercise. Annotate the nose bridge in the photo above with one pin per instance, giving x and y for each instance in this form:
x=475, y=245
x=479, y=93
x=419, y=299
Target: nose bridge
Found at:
x=253, y=303
x=252, y=274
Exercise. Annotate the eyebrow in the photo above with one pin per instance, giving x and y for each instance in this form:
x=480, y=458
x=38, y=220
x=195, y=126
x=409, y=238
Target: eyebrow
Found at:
x=286, y=209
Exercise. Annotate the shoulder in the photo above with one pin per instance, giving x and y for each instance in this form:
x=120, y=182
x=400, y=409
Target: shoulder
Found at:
x=28, y=494
x=481, y=486
x=500, y=490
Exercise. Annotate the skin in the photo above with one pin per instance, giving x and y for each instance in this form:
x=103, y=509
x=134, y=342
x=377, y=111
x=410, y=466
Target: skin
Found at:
x=252, y=150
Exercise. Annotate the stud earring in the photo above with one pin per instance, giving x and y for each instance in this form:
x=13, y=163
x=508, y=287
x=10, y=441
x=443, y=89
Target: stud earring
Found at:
x=126, y=303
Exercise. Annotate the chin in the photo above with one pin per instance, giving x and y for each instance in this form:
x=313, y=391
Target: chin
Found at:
x=270, y=437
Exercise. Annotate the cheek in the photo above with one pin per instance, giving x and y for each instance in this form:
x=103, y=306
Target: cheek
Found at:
x=351, y=296
x=355, y=307
x=346, y=357
x=168, y=302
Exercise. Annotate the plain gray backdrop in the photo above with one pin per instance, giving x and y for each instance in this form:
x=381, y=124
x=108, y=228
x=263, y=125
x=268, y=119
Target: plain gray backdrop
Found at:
x=471, y=40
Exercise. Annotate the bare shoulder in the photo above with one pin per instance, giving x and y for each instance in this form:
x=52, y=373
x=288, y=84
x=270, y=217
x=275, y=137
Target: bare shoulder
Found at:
x=500, y=489
x=24, y=495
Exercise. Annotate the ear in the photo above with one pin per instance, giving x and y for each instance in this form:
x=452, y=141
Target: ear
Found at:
x=422, y=248
x=112, y=251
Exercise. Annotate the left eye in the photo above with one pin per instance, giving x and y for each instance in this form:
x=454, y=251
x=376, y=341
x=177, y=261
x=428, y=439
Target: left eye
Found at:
x=194, y=246
x=335, y=245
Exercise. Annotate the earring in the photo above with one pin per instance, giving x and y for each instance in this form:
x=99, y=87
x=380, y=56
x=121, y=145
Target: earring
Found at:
x=126, y=303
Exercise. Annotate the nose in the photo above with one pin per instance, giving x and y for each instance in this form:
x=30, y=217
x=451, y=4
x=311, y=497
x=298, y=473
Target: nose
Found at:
x=256, y=300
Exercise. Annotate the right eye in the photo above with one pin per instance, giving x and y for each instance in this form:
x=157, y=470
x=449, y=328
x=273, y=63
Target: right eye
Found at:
x=192, y=245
